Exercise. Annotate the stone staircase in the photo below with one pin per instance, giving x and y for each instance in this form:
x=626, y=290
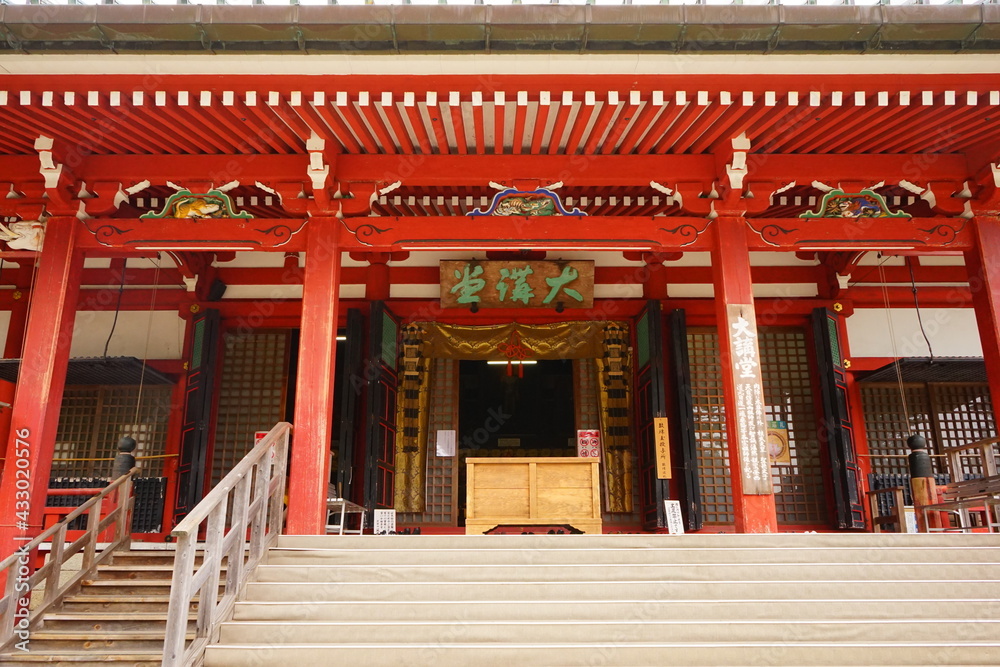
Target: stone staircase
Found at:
x=803, y=599
x=117, y=618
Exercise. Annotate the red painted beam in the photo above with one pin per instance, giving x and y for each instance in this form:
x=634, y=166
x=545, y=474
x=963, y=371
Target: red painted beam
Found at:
x=427, y=275
x=958, y=296
x=478, y=170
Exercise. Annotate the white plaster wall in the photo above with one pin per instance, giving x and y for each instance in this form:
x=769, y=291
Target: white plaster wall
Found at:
x=253, y=260
x=779, y=259
x=165, y=330
x=952, y=332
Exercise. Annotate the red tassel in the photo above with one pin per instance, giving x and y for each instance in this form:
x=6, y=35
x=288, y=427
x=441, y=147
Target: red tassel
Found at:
x=520, y=370
x=510, y=371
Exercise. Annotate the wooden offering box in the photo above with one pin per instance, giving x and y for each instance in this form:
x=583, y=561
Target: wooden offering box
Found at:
x=533, y=491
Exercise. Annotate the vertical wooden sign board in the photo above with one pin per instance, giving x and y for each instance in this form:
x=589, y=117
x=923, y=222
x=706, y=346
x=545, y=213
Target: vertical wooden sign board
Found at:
x=661, y=432
x=755, y=468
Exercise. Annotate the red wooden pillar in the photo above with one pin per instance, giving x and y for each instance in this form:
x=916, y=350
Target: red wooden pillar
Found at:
x=41, y=380
x=311, y=437
x=733, y=287
x=984, y=283
x=654, y=285
x=377, y=286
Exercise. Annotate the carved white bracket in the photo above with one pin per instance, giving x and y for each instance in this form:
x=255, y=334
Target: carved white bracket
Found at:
x=27, y=235
x=996, y=173
x=389, y=188
x=783, y=188
x=318, y=171
x=189, y=283
x=48, y=168
x=659, y=187
x=737, y=169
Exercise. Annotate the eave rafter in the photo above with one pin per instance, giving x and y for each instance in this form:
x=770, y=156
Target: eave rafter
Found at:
x=654, y=155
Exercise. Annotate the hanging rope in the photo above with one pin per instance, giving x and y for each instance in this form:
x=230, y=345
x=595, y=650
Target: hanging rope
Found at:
x=916, y=306
x=149, y=329
x=118, y=308
x=892, y=340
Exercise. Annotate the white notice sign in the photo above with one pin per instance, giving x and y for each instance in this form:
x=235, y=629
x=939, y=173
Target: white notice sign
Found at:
x=588, y=443
x=385, y=522
x=446, y=443
x=675, y=521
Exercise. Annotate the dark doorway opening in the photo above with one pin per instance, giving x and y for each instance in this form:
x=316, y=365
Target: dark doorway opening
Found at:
x=528, y=414
x=500, y=412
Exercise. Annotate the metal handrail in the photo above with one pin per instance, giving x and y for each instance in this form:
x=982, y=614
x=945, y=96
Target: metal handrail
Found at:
x=256, y=487
x=15, y=619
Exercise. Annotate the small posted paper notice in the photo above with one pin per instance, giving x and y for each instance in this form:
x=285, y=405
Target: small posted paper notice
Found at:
x=675, y=520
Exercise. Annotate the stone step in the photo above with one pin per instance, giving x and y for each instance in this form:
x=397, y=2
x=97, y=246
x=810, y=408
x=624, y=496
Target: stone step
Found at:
x=601, y=591
x=636, y=630
x=656, y=654
x=716, y=541
x=624, y=555
x=651, y=572
x=572, y=610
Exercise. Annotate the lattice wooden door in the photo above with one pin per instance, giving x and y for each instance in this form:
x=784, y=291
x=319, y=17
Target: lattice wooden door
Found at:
x=650, y=401
x=682, y=428
x=849, y=512
x=382, y=379
x=196, y=433
x=349, y=474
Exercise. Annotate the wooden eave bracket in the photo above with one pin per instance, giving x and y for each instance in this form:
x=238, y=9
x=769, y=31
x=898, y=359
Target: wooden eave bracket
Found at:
x=25, y=200
x=986, y=198
x=950, y=205
x=58, y=180
x=102, y=200
x=736, y=170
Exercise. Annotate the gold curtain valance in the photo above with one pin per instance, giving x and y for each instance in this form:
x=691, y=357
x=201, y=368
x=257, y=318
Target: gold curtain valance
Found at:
x=561, y=340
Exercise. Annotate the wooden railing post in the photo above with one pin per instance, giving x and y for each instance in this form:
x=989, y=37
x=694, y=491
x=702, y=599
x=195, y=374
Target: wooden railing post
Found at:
x=180, y=599
x=56, y=561
x=16, y=618
x=254, y=489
